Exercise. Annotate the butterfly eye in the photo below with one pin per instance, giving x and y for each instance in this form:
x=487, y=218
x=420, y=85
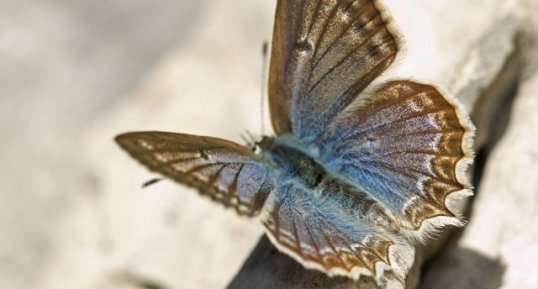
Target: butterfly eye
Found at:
x=256, y=148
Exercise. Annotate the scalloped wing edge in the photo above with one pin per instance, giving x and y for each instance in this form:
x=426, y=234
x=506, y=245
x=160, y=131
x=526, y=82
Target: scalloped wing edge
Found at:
x=401, y=258
x=455, y=201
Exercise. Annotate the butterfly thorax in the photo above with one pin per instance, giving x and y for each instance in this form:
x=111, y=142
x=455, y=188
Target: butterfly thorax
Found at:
x=294, y=160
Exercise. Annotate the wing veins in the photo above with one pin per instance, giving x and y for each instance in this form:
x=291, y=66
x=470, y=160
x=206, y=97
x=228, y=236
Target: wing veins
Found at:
x=342, y=239
x=322, y=231
x=321, y=36
x=233, y=186
x=353, y=86
x=276, y=209
x=176, y=149
x=401, y=99
x=199, y=168
x=315, y=18
x=318, y=252
x=379, y=66
x=214, y=177
x=348, y=26
x=428, y=132
x=379, y=176
x=346, y=57
x=351, y=136
x=175, y=161
x=401, y=170
x=295, y=233
x=324, y=27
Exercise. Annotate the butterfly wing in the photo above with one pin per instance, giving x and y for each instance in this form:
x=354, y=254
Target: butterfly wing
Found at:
x=407, y=146
x=324, y=53
x=225, y=171
x=338, y=231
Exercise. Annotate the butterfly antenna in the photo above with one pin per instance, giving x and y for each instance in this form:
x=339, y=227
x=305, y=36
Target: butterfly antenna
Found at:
x=265, y=47
x=248, y=139
x=251, y=137
x=245, y=139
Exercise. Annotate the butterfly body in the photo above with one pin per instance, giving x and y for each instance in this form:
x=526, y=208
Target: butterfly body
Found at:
x=351, y=179
x=298, y=164
x=293, y=161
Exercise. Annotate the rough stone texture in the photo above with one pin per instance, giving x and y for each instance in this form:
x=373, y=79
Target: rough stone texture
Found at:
x=74, y=74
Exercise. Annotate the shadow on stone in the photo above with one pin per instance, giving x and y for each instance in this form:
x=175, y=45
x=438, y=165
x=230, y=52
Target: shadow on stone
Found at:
x=464, y=268
x=493, y=110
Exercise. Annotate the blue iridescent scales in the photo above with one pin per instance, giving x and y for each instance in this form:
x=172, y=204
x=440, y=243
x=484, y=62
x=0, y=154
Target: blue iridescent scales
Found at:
x=350, y=176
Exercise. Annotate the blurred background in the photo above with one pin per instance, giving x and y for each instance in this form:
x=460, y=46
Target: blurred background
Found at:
x=73, y=74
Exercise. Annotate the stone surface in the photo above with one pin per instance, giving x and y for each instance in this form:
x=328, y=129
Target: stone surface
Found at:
x=73, y=75
x=64, y=64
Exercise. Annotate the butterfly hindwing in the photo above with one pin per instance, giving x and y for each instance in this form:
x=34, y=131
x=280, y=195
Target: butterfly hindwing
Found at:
x=324, y=53
x=407, y=146
x=225, y=171
x=333, y=230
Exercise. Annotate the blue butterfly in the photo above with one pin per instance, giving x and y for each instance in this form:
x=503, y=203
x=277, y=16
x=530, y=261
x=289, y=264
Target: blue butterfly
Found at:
x=355, y=173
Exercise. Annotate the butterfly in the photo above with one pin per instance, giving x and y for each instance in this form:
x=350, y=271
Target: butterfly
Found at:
x=356, y=173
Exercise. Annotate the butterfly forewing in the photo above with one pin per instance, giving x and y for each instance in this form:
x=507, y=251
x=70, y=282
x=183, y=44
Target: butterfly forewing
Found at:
x=227, y=172
x=324, y=53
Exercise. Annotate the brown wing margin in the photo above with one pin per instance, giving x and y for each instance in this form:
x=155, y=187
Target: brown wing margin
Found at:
x=324, y=54
x=225, y=171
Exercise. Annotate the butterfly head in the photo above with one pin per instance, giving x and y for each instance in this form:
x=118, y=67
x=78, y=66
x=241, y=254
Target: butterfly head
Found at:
x=257, y=143
x=264, y=143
